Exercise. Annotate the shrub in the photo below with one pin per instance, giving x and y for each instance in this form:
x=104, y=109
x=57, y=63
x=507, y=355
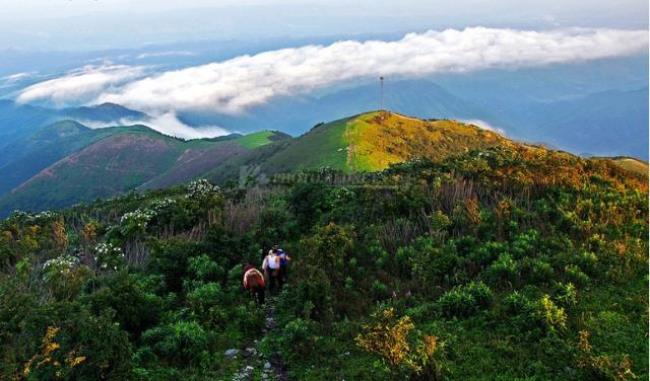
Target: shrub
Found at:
x=181, y=343
x=169, y=258
x=133, y=223
x=311, y=297
x=405, y=351
x=64, y=276
x=202, y=301
x=276, y=225
x=524, y=244
x=517, y=303
x=297, y=339
x=202, y=269
x=387, y=336
x=588, y=261
x=566, y=294
x=488, y=252
x=617, y=367
x=464, y=301
x=108, y=257
x=82, y=347
x=576, y=275
x=329, y=247
x=537, y=270
x=379, y=290
x=503, y=271
x=439, y=221
x=200, y=189
x=135, y=309
x=553, y=316
x=431, y=264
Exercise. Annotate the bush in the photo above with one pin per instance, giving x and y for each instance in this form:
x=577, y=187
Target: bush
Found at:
x=297, y=339
x=537, y=270
x=204, y=301
x=379, y=290
x=431, y=264
x=574, y=274
x=553, y=316
x=170, y=258
x=488, y=253
x=405, y=351
x=202, y=269
x=464, y=301
x=181, y=343
x=503, y=271
x=566, y=294
x=82, y=347
x=311, y=297
x=135, y=309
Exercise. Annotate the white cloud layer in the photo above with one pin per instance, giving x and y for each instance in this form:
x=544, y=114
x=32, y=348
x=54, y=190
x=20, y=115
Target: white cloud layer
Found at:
x=16, y=77
x=81, y=85
x=166, y=123
x=240, y=83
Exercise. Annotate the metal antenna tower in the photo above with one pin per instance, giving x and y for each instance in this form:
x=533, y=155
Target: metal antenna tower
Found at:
x=381, y=81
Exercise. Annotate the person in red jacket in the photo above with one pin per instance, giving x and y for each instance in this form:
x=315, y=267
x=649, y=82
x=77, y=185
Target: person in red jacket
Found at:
x=254, y=282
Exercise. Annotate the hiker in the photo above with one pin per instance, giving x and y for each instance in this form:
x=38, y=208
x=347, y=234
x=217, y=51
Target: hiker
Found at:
x=284, y=263
x=254, y=282
x=271, y=267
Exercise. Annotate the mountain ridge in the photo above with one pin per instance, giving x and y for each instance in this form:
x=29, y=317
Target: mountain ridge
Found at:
x=125, y=158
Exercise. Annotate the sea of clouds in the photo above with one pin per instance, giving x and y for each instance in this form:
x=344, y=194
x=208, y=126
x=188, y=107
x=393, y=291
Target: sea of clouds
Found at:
x=236, y=85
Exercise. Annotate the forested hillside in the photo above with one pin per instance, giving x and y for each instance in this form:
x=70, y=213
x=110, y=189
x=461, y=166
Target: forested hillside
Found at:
x=494, y=262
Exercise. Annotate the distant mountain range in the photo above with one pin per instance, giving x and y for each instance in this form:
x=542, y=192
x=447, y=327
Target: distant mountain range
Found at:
x=610, y=122
x=18, y=122
x=49, y=157
x=65, y=162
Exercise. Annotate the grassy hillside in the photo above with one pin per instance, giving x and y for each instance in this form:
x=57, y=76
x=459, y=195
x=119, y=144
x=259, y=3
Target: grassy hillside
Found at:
x=47, y=145
x=507, y=262
x=632, y=164
x=261, y=138
x=66, y=163
x=375, y=140
x=108, y=167
x=202, y=157
x=70, y=157
x=323, y=146
x=18, y=122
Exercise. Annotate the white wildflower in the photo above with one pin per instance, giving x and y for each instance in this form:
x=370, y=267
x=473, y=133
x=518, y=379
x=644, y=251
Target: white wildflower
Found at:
x=201, y=188
x=60, y=265
x=108, y=255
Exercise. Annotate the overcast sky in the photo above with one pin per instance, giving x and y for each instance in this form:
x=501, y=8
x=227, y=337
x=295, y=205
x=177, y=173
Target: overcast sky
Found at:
x=114, y=24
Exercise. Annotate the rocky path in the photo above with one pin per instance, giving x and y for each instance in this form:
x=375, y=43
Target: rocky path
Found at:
x=272, y=368
x=277, y=367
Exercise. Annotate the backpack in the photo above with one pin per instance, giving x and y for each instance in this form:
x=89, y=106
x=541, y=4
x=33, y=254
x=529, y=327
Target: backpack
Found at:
x=283, y=258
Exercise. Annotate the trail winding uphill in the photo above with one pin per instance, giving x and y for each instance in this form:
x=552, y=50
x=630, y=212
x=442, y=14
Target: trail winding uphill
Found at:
x=273, y=367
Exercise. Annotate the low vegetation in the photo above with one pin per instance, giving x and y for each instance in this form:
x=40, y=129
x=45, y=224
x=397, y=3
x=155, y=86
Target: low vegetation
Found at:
x=499, y=263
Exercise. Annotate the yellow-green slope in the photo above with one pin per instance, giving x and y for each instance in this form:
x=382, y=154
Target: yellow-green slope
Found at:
x=375, y=140
x=632, y=164
x=378, y=139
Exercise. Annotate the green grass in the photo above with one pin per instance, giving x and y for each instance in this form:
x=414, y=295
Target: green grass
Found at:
x=323, y=146
x=256, y=139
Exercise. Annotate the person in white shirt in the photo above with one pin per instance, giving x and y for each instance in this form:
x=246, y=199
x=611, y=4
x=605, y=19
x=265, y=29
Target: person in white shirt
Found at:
x=271, y=267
